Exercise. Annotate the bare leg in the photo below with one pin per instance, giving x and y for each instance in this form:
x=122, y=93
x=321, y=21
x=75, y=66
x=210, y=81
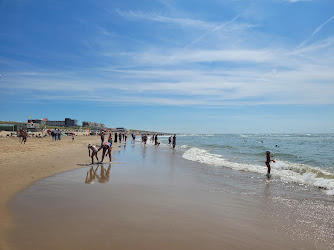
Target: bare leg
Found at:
x=104, y=151
x=268, y=166
x=109, y=152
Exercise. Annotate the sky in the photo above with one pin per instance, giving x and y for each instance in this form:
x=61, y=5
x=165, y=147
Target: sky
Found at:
x=183, y=66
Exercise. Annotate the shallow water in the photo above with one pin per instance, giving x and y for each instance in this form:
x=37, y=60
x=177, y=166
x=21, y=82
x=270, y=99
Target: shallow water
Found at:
x=299, y=158
x=152, y=197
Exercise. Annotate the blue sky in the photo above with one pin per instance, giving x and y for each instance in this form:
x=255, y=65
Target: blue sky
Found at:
x=233, y=66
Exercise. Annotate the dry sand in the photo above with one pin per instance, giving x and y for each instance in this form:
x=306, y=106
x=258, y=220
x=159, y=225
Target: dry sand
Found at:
x=23, y=164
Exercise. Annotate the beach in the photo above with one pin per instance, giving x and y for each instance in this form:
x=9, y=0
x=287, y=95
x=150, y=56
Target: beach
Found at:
x=151, y=197
x=23, y=164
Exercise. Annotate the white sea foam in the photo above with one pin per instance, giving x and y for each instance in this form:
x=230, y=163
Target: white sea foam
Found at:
x=289, y=172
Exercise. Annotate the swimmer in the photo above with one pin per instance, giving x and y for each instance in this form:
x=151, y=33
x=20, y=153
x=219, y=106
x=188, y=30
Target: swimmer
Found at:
x=94, y=152
x=107, y=146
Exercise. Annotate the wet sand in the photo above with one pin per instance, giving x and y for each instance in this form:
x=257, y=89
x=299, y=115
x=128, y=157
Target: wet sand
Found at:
x=22, y=165
x=150, y=198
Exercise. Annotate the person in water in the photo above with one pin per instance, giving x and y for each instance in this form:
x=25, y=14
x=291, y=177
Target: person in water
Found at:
x=107, y=146
x=268, y=162
x=94, y=152
x=174, y=141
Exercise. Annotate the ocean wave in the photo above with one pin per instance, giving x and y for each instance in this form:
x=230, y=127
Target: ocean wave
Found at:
x=219, y=146
x=287, y=171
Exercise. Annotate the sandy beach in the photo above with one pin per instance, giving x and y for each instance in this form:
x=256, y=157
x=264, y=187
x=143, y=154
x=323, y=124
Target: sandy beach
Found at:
x=21, y=165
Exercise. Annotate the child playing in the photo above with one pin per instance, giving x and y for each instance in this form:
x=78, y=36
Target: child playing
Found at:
x=268, y=163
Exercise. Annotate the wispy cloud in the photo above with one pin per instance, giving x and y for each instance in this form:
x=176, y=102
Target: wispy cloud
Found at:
x=232, y=64
x=165, y=19
x=211, y=31
x=315, y=32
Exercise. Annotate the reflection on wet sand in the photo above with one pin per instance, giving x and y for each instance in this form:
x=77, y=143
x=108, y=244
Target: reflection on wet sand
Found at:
x=102, y=177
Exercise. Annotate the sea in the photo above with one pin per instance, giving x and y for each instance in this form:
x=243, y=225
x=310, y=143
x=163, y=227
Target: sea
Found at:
x=303, y=159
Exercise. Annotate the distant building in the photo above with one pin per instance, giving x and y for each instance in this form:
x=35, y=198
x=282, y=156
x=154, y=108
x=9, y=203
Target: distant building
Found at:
x=55, y=123
x=38, y=121
x=12, y=127
x=68, y=122
x=122, y=130
x=33, y=125
x=93, y=124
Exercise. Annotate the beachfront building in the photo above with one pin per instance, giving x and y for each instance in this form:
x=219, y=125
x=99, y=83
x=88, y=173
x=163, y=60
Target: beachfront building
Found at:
x=37, y=121
x=12, y=127
x=93, y=124
x=68, y=122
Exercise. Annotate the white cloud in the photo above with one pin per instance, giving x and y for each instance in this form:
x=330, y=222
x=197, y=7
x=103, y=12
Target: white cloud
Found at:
x=164, y=19
x=238, y=71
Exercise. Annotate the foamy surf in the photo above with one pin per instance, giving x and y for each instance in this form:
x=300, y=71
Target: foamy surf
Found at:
x=288, y=172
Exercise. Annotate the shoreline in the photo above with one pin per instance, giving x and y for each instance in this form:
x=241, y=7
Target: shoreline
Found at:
x=22, y=165
x=155, y=197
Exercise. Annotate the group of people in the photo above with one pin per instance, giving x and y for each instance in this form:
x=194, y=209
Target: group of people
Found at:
x=56, y=134
x=93, y=150
x=107, y=146
x=118, y=136
x=170, y=140
x=154, y=139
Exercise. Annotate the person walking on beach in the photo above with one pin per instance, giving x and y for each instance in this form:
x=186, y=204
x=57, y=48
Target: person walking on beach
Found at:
x=102, y=137
x=59, y=134
x=268, y=163
x=120, y=137
x=115, y=137
x=23, y=134
x=106, y=147
x=174, y=141
x=94, y=152
x=53, y=135
x=73, y=137
x=110, y=138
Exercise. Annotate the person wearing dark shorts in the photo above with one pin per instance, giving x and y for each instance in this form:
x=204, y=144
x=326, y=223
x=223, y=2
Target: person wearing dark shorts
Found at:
x=107, y=146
